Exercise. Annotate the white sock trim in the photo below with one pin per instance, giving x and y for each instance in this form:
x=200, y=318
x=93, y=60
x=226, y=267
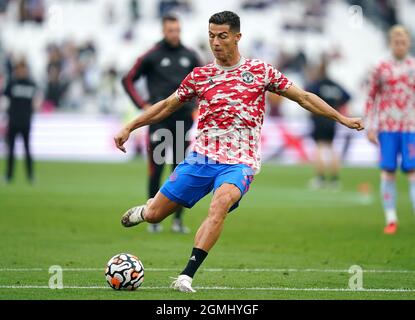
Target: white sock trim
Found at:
x=390, y=216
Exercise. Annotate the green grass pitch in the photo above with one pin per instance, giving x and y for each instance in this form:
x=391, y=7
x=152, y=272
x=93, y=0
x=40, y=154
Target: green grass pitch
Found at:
x=284, y=242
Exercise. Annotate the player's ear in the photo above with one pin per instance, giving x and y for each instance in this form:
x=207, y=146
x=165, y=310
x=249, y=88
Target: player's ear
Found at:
x=238, y=37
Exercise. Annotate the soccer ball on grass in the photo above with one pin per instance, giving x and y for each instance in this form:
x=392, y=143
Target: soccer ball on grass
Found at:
x=124, y=271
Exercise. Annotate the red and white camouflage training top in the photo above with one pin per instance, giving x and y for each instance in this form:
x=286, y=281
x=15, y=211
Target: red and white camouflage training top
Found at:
x=391, y=101
x=231, y=108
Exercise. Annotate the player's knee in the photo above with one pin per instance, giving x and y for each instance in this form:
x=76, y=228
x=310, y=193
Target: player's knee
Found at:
x=411, y=175
x=220, y=205
x=388, y=175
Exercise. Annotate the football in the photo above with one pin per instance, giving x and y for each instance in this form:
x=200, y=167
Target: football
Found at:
x=124, y=271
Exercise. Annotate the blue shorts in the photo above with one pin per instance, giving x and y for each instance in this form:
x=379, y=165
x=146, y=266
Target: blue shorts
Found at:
x=197, y=175
x=393, y=144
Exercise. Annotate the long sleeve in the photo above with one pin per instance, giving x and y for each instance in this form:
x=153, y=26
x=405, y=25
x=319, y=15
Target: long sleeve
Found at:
x=140, y=68
x=371, y=110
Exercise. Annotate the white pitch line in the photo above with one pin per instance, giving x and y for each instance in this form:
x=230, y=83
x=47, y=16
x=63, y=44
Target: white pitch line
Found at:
x=219, y=270
x=222, y=288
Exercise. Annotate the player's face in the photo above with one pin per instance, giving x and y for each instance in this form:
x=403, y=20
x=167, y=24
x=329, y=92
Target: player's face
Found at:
x=21, y=72
x=400, y=44
x=171, y=32
x=223, y=42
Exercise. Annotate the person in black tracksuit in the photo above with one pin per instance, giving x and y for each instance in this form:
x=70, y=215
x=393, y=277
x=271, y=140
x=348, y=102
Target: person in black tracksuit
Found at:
x=324, y=129
x=164, y=66
x=20, y=91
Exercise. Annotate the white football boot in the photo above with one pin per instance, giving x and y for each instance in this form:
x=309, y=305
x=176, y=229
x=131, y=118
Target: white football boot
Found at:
x=183, y=284
x=133, y=216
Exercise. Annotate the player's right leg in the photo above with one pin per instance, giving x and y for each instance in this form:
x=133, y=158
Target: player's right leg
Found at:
x=388, y=191
x=389, y=148
x=11, y=138
x=184, y=187
x=29, y=160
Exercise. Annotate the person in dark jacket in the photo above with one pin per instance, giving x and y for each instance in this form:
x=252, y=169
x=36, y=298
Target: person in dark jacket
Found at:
x=164, y=66
x=324, y=129
x=21, y=92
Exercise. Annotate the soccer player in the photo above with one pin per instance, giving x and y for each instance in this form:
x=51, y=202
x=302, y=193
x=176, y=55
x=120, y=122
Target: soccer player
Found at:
x=390, y=115
x=231, y=94
x=164, y=66
x=324, y=129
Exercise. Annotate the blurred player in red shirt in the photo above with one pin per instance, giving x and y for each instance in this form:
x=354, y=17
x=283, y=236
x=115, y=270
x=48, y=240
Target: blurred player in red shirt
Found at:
x=390, y=115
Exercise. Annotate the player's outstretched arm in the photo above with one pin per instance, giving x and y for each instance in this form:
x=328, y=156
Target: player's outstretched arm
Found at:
x=315, y=104
x=154, y=114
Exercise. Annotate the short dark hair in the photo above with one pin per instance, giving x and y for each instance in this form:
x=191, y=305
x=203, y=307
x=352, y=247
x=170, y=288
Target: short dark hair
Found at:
x=227, y=17
x=169, y=17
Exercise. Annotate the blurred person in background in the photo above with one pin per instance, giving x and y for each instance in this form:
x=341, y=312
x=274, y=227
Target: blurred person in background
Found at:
x=31, y=10
x=3, y=6
x=324, y=129
x=166, y=7
x=390, y=116
x=135, y=10
x=108, y=90
x=21, y=93
x=164, y=66
x=56, y=85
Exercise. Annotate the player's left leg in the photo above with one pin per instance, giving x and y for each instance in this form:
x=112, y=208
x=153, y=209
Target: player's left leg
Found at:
x=208, y=233
x=411, y=180
x=211, y=228
x=408, y=163
x=230, y=185
x=390, y=147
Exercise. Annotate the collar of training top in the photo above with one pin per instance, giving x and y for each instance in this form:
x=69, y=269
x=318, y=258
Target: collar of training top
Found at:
x=167, y=45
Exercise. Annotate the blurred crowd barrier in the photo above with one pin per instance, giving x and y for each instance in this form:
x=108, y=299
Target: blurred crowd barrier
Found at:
x=90, y=138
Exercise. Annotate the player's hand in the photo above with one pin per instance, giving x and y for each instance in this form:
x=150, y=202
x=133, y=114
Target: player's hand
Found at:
x=120, y=138
x=354, y=123
x=372, y=135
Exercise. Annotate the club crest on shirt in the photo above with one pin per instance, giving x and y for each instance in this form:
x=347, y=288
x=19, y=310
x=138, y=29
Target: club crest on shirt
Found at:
x=247, y=77
x=165, y=62
x=184, y=62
